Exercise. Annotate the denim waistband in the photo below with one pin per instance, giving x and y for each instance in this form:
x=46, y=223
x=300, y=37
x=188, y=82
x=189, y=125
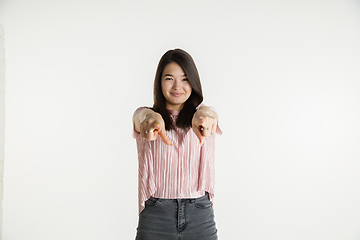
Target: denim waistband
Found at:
x=181, y=199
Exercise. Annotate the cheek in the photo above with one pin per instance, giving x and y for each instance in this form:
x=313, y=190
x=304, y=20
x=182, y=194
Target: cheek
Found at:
x=163, y=87
x=188, y=88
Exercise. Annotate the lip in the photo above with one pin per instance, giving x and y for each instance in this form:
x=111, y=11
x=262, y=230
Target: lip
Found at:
x=176, y=94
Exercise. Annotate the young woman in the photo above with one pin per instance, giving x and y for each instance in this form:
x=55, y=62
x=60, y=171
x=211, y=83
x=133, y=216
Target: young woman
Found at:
x=175, y=143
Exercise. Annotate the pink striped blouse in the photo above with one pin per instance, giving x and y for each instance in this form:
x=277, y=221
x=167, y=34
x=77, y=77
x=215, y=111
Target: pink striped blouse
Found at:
x=184, y=170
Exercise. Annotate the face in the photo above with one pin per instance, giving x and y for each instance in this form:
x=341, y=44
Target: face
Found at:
x=175, y=86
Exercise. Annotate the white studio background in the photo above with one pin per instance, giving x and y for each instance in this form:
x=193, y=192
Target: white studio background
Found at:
x=283, y=75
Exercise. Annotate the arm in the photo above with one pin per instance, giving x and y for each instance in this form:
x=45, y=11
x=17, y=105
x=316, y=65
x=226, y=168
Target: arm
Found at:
x=204, y=123
x=150, y=124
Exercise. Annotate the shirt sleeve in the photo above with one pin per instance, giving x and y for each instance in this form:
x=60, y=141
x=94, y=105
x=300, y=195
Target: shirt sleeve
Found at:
x=135, y=133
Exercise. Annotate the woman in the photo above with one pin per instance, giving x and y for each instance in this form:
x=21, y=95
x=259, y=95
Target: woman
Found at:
x=175, y=143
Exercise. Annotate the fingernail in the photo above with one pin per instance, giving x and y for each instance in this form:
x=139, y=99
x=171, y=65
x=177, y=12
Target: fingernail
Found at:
x=170, y=142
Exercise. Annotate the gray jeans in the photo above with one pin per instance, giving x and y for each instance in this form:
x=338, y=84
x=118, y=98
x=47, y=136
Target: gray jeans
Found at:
x=177, y=219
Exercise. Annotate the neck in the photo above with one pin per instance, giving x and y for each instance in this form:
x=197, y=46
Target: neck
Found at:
x=174, y=107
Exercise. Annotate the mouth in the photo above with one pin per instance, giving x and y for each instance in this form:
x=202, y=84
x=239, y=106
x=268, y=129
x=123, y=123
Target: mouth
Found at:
x=176, y=94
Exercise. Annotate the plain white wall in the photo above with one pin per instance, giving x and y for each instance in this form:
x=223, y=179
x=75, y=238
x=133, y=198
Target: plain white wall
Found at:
x=2, y=117
x=283, y=75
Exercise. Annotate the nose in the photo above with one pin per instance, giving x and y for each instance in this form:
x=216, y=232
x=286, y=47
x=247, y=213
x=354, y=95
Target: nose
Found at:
x=177, y=84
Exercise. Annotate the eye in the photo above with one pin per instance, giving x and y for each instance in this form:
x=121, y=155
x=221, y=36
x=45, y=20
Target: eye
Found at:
x=168, y=78
x=185, y=79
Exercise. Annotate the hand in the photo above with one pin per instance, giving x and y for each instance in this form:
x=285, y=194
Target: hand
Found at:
x=204, y=123
x=153, y=125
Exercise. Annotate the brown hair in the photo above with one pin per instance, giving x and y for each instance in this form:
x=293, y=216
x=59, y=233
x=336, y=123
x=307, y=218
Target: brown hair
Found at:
x=186, y=62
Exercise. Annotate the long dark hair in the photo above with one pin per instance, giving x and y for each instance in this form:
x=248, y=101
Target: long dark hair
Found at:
x=186, y=62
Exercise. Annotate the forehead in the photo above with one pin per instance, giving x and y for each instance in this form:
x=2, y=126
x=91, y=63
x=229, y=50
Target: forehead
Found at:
x=173, y=69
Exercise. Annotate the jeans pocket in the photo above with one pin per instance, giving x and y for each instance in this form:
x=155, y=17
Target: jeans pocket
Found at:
x=152, y=201
x=203, y=202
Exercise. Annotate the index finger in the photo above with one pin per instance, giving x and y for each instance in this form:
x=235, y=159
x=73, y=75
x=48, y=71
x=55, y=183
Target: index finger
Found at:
x=198, y=134
x=163, y=135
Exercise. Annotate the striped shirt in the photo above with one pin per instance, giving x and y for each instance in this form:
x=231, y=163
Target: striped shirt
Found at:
x=184, y=170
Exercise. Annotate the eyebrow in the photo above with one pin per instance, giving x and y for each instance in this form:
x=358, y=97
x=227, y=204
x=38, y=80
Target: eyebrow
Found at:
x=172, y=75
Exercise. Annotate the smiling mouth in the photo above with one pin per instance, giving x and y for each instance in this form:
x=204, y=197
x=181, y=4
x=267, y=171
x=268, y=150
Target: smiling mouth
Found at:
x=176, y=94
